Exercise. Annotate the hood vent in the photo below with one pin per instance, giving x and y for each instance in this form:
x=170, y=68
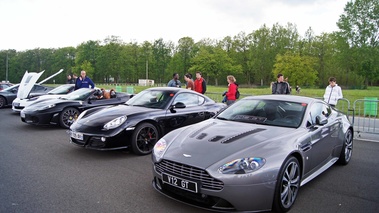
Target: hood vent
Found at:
x=201, y=136
x=217, y=138
x=241, y=135
x=201, y=129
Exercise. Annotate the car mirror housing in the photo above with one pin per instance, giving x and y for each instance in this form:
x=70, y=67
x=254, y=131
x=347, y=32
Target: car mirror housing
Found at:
x=180, y=105
x=320, y=121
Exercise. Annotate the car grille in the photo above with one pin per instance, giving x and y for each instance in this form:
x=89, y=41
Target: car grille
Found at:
x=190, y=173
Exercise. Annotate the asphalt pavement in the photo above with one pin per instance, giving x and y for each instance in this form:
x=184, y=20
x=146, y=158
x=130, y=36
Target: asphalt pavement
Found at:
x=40, y=171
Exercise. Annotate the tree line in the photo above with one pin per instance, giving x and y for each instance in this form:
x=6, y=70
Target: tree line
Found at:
x=350, y=54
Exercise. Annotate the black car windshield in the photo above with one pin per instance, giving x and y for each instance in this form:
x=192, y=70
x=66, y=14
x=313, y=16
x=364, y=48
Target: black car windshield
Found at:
x=63, y=89
x=157, y=99
x=79, y=94
x=266, y=112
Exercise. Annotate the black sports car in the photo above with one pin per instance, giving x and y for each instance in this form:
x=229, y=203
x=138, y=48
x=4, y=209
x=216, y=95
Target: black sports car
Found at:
x=7, y=95
x=65, y=110
x=142, y=120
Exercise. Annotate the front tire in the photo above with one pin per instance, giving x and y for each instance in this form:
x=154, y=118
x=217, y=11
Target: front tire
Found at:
x=68, y=117
x=144, y=137
x=347, y=148
x=287, y=186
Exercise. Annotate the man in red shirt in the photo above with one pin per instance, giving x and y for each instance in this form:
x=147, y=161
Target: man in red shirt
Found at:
x=200, y=84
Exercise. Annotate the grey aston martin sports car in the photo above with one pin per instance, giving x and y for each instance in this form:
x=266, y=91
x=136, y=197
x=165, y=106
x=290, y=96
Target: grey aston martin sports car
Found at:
x=253, y=156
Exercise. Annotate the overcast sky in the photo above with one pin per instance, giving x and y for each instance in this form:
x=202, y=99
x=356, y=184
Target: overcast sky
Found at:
x=30, y=24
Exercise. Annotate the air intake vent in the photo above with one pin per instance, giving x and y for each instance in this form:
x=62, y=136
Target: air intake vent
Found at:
x=217, y=138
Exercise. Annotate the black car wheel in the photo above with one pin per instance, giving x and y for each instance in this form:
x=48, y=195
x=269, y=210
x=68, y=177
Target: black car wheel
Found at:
x=2, y=102
x=145, y=136
x=287, y=186
x=347, y=148
x=68, y=116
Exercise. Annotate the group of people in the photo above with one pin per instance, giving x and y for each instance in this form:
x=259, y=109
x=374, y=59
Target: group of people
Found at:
x=333, y=92
x=82, y=82
x=199, y=84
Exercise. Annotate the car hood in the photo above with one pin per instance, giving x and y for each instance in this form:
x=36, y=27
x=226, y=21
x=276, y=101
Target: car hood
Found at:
x=27, y=83
x=39, y=104
x=211, y=141
x=105, y=115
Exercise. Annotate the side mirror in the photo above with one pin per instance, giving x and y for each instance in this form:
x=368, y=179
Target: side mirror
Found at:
x=180, y=105
x=320, y=121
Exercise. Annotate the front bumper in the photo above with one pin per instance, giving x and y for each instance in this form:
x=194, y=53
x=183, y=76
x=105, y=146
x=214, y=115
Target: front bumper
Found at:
x=232, y=197
x=38, y=118
x=101, y=142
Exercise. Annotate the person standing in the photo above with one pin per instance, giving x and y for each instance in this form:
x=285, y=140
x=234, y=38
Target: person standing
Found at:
x=200, y=84
x=188, y=78
x=280, y=86
x=174, y=82
x=70, y=80
x=230, y=95
x=333, y=92
x=83, y=81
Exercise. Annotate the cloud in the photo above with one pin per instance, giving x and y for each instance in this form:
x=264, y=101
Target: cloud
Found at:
x=29, y=24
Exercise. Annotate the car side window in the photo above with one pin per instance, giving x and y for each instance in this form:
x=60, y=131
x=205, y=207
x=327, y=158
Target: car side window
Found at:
x=189, y=99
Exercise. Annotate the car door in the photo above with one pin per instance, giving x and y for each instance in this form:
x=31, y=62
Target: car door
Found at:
x=322, y=135
x=193, y=112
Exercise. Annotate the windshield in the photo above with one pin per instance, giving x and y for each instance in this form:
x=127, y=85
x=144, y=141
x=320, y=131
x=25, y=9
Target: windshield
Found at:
x=63, y=89
x=11, y=87
x=265, y=112
x=152, y=99
x=79, y=94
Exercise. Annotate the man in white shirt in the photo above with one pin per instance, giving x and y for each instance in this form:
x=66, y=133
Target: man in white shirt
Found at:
x=333, y=92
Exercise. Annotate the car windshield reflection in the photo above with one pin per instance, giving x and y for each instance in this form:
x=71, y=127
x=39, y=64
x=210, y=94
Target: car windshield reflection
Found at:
x=265, y=112
x=79, y=94
x=151, y=99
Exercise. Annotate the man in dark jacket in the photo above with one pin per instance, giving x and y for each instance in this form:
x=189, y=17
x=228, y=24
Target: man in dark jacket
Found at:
x=280, y=86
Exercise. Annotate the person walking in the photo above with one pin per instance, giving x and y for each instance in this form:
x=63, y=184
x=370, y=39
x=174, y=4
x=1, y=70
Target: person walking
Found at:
x=200, y=83
x=333, y=92
x=230, y=95
x=174, y=82
x=84, y=81
x=280, y=86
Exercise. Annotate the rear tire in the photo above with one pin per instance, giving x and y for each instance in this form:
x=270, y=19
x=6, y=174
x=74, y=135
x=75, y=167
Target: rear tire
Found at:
x=2, y=102
x=347, y=148
x=68, y=117
x=287, y=186
x=144, y=137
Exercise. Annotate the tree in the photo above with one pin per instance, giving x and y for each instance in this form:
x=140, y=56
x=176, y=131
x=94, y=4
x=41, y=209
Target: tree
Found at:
x=359, y=25
x=299, y=69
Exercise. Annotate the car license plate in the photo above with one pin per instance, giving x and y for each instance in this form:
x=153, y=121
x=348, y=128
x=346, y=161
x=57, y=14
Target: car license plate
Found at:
x=180, y=182
x=22, y=114
x=76, y=135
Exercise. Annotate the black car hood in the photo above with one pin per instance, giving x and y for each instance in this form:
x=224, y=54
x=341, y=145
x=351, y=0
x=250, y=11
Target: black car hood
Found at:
x=105, y=115
x=43, y=103
x=213, y=140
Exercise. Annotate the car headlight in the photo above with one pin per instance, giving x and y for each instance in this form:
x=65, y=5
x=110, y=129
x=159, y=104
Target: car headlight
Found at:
x=47, y=107
x=242, y=166
x=159, y=148
x=115, y=122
